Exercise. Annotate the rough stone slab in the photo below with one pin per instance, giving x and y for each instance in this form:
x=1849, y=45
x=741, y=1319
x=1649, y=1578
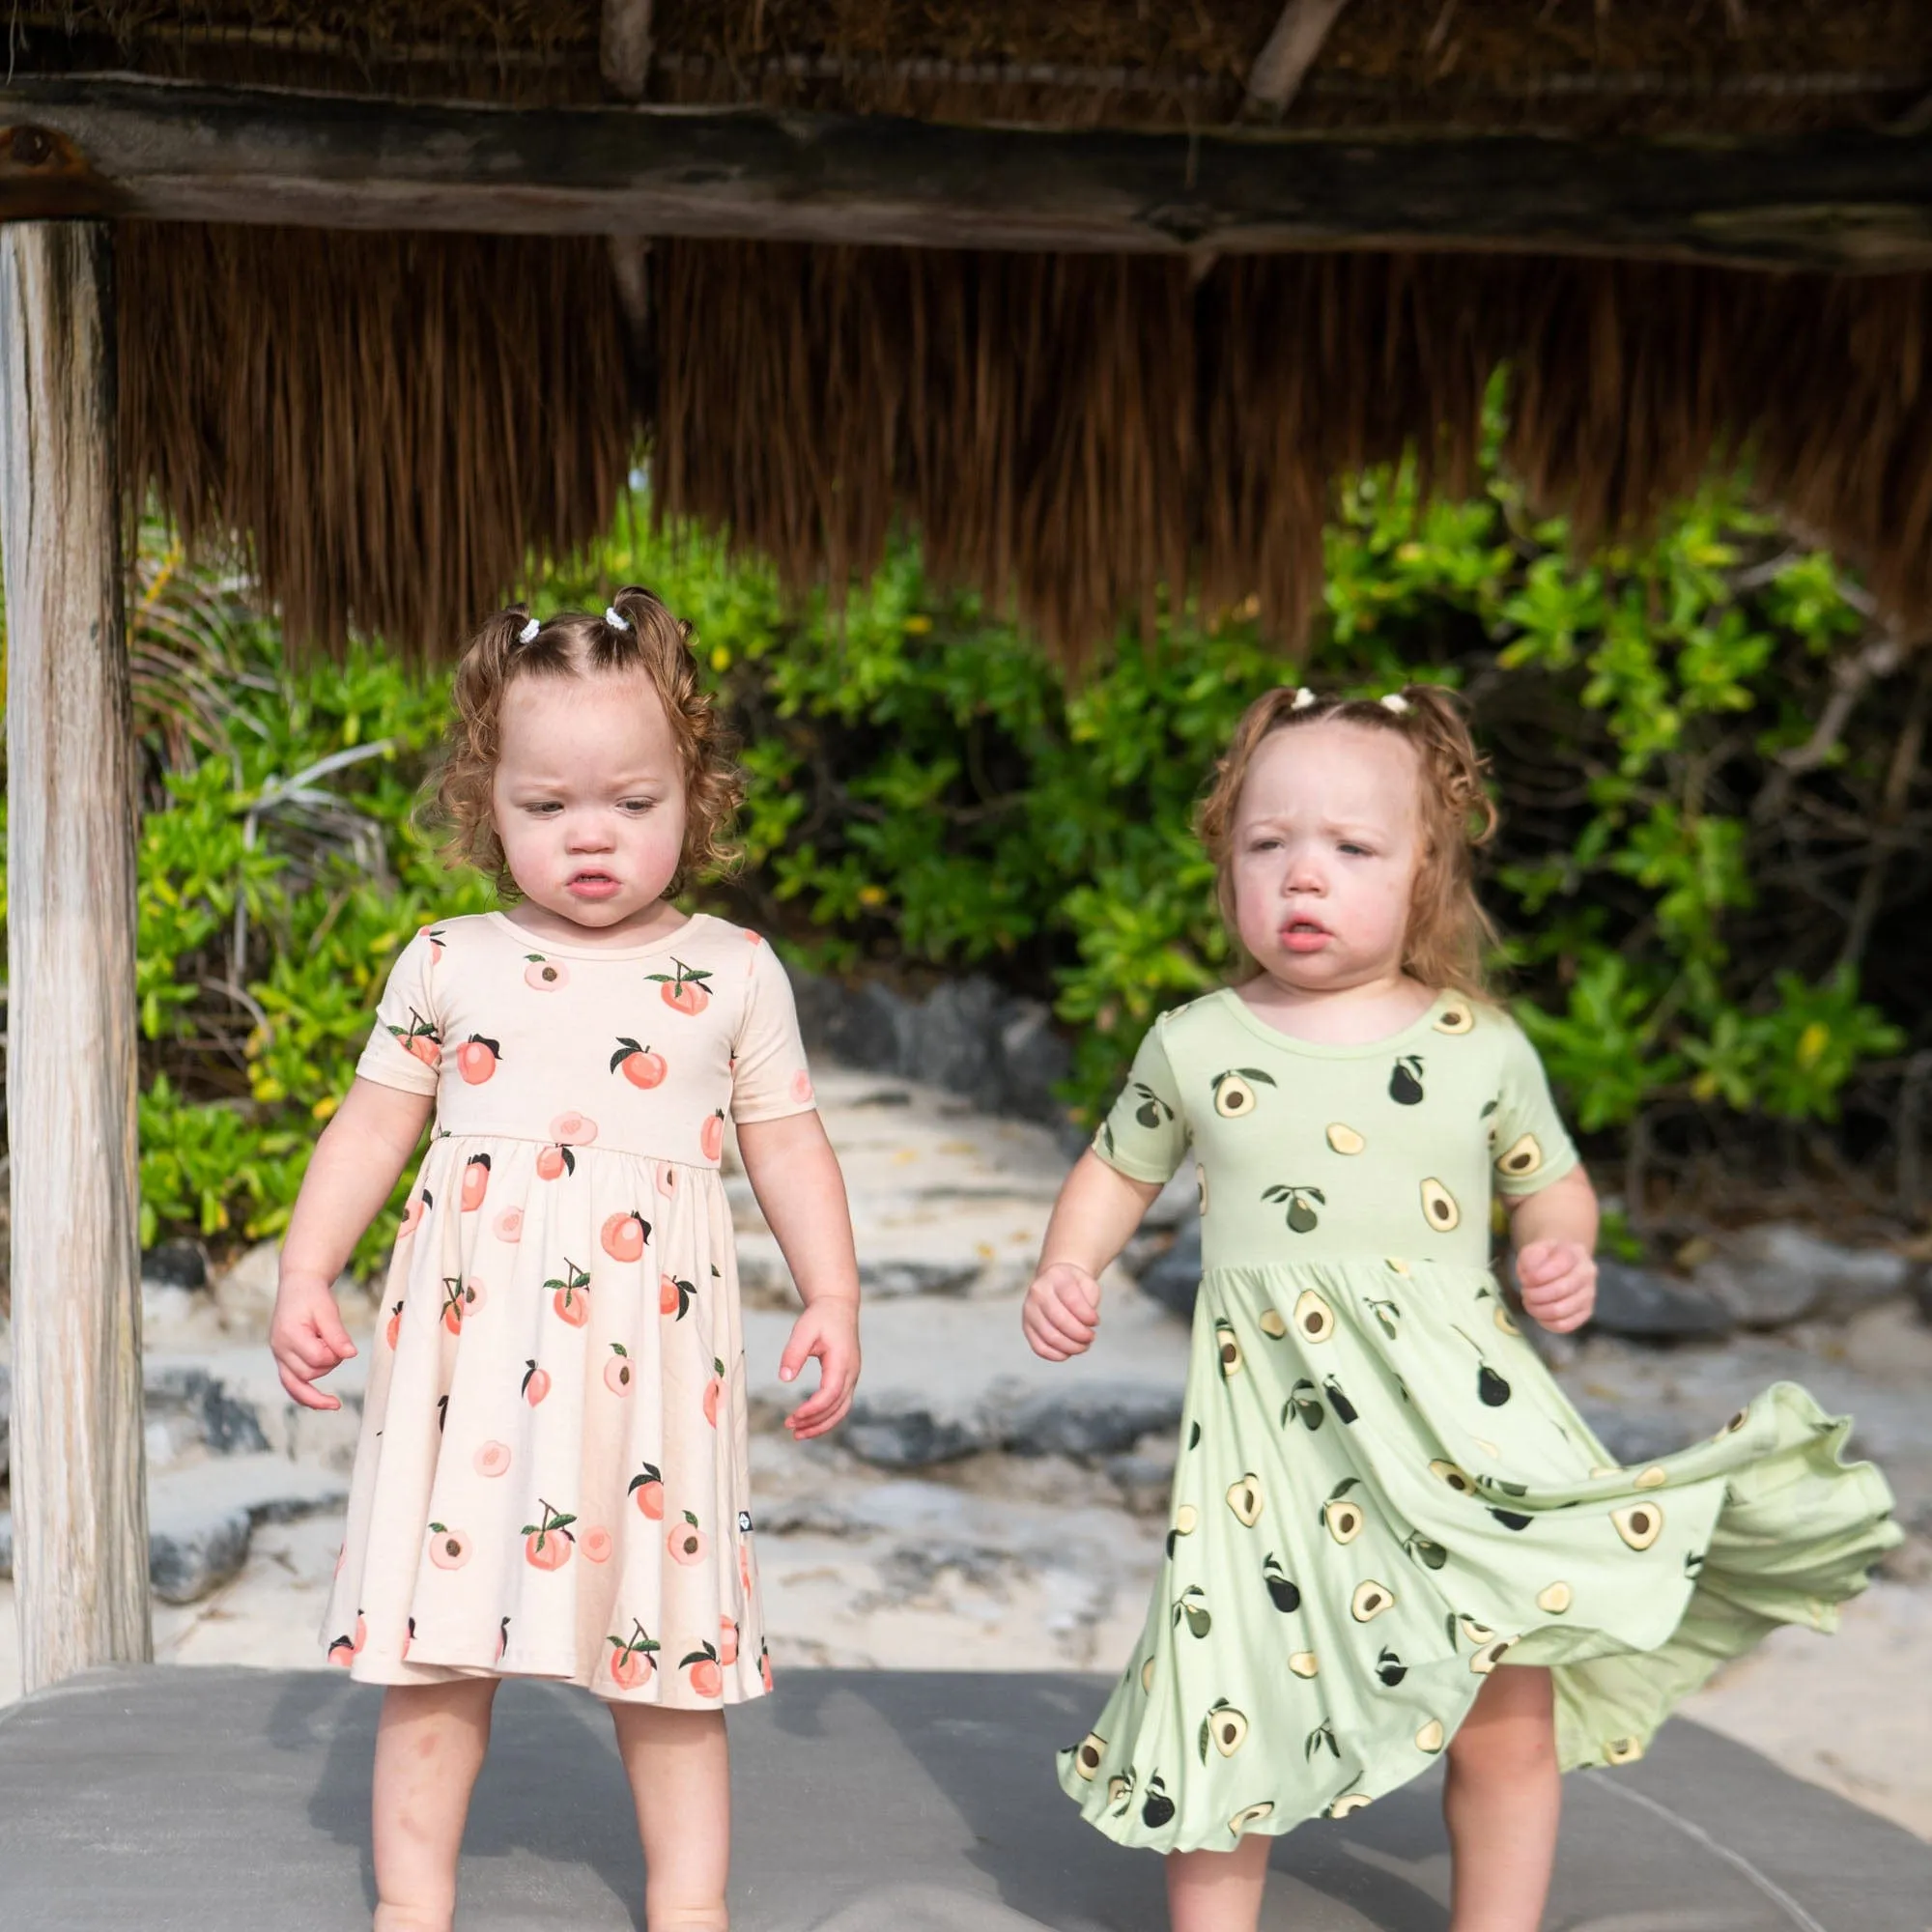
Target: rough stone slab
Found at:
x=946, y=1378
x=192, y=1801
x=1647, y=1306
x=1770, y=1275
x=200, y=1517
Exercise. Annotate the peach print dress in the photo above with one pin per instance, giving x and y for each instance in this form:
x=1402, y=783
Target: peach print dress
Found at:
x=552, y=1474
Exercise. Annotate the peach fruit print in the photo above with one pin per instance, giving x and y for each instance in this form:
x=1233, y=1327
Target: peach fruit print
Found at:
x=563, y=1291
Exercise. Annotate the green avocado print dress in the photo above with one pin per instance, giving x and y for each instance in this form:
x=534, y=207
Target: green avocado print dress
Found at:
x=1381, y=1495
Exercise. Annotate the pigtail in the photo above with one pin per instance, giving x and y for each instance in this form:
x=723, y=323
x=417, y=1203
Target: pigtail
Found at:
x=459, y=806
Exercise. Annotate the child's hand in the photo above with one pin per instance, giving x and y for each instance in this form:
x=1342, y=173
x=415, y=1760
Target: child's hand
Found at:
x=1558, y=1280
x=308, y=1337
x=829, y=1328
x=1062, y=1312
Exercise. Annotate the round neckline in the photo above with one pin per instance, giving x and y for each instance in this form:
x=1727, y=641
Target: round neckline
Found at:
x=530, y=941
x=1332, y=1049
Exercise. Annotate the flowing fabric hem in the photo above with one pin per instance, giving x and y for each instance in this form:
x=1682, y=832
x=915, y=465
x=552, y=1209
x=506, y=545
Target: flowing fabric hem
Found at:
x=1797, y=1535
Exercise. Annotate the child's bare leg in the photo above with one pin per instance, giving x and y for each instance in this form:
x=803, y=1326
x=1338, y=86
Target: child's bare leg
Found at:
x=680, y=1773
x=1219, y=1891
x=429, y=1747
x=1502, y=1802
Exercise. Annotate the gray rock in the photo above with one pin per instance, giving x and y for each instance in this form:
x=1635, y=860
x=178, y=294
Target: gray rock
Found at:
x=1918, y=1285
x=1098, y=1418
x=1637, y=1302
x=900, y=1276
x=175, y=1265
x=966, y=1036
x=909, y=1437
x=188, y=1559
x=1174, y=1278
x=1768, y=1276
x=200, y=1518
x=1633, y=1434
x=227, y=1424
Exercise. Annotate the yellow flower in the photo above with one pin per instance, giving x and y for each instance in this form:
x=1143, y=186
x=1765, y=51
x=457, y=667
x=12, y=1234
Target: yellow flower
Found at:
x=918, y=624
x=325, y=1108
x=1812, y=1042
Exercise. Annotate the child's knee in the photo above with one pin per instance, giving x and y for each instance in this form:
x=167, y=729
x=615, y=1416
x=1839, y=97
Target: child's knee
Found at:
x=1507, y=1737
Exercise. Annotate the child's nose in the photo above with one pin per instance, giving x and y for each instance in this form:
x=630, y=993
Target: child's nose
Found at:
x=591, y=831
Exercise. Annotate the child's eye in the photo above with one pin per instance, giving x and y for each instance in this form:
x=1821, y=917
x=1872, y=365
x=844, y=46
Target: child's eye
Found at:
x=1349, y=846
x=638, y=805
x=542, y=807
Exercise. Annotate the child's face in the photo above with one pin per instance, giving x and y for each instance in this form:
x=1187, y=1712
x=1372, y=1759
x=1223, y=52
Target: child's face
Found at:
x=1325, y=844
x=589, y=795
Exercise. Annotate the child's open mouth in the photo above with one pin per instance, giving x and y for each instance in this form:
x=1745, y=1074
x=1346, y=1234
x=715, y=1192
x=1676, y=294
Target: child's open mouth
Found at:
x=1304, y=935
x=591, y=884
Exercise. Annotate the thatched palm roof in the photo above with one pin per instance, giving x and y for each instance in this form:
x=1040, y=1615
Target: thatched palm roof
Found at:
x=395, y=421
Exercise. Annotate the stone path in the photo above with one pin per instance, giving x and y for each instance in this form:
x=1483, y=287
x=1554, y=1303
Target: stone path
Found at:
x=984, y=1510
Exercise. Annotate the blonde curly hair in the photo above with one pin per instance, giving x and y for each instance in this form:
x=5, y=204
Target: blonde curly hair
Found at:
x=1449, y=935
x=651, y=642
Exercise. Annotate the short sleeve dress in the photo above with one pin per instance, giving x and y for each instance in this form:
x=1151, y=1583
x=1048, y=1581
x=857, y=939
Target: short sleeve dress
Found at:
x=552, y=1473
x=1381, y=1494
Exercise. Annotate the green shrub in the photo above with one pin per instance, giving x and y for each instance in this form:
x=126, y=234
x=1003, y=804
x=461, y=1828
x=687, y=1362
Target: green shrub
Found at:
x=928, y=793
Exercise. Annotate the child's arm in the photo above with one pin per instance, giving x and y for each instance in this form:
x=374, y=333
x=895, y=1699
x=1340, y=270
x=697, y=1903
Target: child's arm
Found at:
x=795, y=1175
x=355, y=1165
x=1098, y=1208
x=1555, y=1236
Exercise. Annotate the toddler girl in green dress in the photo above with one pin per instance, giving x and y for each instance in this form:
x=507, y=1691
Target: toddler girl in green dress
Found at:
x=1392, y=1537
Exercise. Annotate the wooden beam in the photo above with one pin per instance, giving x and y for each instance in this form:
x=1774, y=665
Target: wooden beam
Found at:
x=80, y=1517
x=1289, y=52
x=1853, y=199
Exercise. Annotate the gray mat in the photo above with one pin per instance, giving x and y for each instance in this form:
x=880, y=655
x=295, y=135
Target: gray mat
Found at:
x=209, y=1801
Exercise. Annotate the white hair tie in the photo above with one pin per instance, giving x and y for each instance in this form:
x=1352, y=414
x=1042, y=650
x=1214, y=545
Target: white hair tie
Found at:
x=528, y=632
x=1303, y=698
x=615, y=619
x=1395, y=702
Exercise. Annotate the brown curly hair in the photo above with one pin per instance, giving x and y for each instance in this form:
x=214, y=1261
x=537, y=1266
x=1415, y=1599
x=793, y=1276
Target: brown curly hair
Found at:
x=1449, y=933
x=650, y=641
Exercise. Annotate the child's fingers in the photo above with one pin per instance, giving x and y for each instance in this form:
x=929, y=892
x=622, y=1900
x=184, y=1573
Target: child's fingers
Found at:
x=307, y=1348
x=1061, y=1325
x=329, y=1326
x=1538, y=1263
x=1045, y=1338
x=301, y=1392
x=800, y=1349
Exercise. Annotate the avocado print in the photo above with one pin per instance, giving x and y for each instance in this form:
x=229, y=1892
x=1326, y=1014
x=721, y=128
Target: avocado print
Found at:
x=1228, y=1348
x=1340, y=1518
x=1344, y=1139
x=1192, y=1606
x=1406, y=1081
x=1349, y=1803
x=1314, y=1319
x=1201, y=1187
x=1490, y=1655
x=1147, y=1675
x=1458, y=1478
x=1693, y=1563
x=1431, y=1736
x=1418, y=1549
x=1492, y=1390
x=1088, y=1754
x=1456, y=1019
x=1388, y=1317
x=1321, y=1738
x=1303, y=1219
x=1304, y=1664
x=1272, y=1324
x=1302, y=1405
x=1157, y=1808
x=1439, y=1206
x=1281, y=1587
x=1152, y=1111
x=1185, y=1521
x=1522, y=1157
x=1121, y=1792
x=1653, y=1478
x=1511, y=1518
x=1640, y=1525
x=1250, y=1815
x=1556, y=1598
x=1345, y=1410
x=1234, y=1094
x=1390, y=1669
x=1623, y=1751
x=1369, y=1600
x=1225, y=1728
x=1244, y=1498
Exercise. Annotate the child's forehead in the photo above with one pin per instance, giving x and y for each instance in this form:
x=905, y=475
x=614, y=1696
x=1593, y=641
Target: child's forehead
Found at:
x=1333, y=766
x=583, y=718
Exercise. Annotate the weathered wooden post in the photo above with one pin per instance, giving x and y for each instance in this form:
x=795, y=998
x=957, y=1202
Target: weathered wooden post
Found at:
x=80, y=1516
